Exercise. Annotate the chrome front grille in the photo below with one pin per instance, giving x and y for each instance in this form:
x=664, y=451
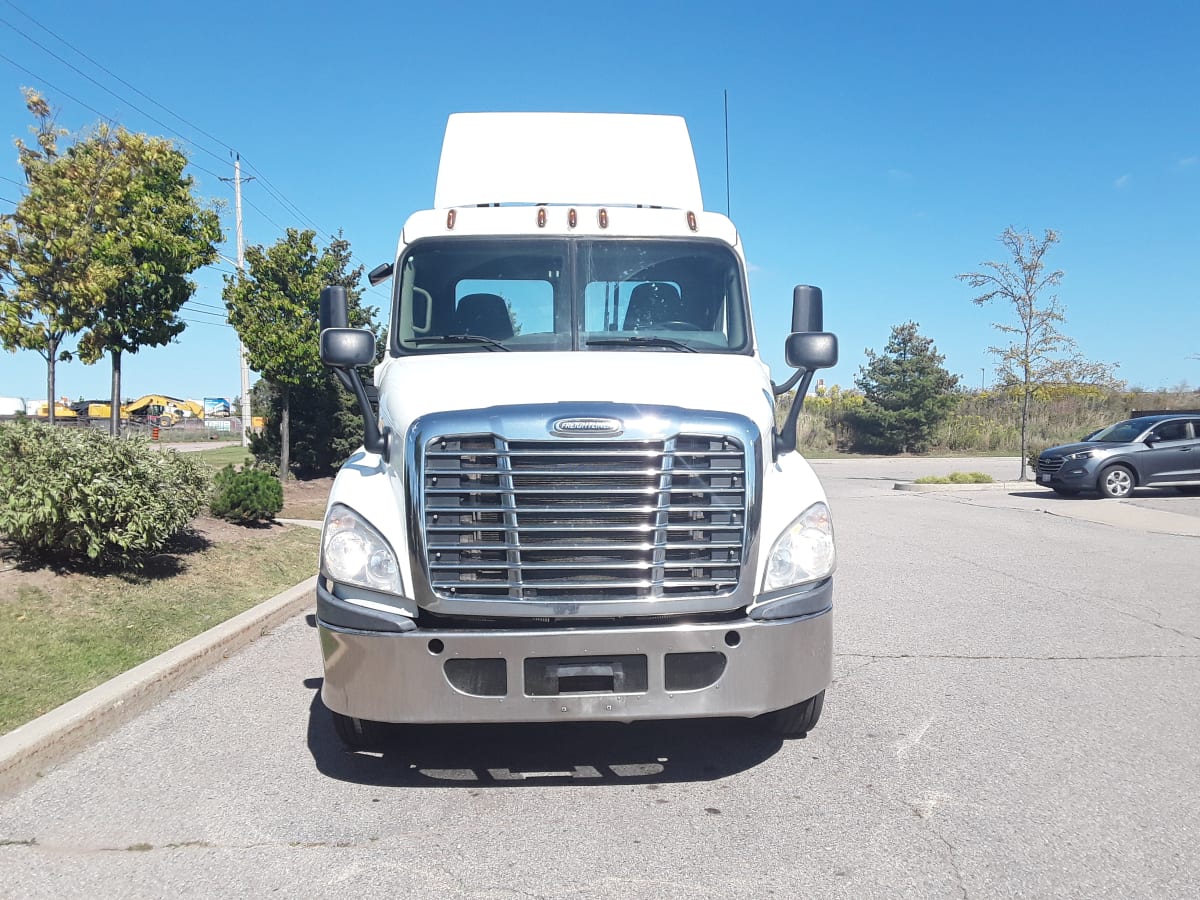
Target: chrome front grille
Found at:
x=578, y=520
x=1050, y=463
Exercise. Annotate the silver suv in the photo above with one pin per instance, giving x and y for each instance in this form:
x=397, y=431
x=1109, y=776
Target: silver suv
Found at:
x=1151, y=451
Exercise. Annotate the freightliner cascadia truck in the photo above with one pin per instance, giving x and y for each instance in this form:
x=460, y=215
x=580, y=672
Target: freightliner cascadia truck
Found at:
x=573, y=502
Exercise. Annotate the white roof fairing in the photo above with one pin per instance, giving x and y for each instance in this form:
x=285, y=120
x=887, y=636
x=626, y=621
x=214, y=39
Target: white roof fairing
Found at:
x=589, y=159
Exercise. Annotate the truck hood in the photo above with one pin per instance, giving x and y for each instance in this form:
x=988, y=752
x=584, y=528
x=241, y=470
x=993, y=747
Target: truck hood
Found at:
x=410, y=387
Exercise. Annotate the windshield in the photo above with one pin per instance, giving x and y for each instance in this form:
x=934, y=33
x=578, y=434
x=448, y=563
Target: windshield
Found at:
x=1122, y=433
x=466, y=295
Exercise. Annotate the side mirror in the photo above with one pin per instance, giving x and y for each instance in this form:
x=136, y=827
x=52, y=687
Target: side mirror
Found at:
x=380, y=273
x=333, y=312
x=808, y=308
x=808, y=348
x=811, y=350
x=345, y=348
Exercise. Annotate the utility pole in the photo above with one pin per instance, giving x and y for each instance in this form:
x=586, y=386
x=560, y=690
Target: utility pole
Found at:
x=241, y=265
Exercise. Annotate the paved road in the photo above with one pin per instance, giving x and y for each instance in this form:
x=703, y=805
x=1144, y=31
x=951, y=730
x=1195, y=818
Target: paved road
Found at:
x=1015, y=712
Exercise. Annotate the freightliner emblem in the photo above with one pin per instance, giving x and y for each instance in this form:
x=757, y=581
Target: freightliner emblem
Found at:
x=588, y=426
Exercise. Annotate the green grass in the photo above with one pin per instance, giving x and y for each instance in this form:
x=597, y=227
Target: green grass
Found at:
x=59, y=642
x=957, y=478
x=220, y=457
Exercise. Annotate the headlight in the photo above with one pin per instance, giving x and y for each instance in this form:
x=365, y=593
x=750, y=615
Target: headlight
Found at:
x=352, y=552
x=803, y=552
x=1082, y=454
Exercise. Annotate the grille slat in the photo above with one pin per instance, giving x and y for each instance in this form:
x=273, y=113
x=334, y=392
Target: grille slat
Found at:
x=577, y=518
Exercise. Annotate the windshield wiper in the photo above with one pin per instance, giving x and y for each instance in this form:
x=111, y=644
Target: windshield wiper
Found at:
x=638, y=341
x=488, y=342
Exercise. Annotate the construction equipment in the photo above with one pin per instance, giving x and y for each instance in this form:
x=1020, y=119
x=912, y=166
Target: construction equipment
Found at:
x=97, y=409
x=167, y=411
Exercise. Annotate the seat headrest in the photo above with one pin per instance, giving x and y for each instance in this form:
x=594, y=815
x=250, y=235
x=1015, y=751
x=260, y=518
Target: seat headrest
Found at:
x=654, y=301
x=485, y=315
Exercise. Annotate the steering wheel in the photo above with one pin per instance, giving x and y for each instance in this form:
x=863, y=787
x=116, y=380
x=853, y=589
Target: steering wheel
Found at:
x=676, y=325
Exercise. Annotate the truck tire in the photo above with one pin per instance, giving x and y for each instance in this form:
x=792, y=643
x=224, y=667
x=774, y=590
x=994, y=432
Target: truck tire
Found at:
x=356, y=734
x=794, y=721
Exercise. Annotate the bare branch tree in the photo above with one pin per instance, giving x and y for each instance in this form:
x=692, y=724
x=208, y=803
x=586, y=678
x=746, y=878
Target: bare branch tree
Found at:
x=1039, y=353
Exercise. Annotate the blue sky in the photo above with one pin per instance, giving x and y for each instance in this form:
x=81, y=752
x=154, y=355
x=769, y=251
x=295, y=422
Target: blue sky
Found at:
x=876, y=149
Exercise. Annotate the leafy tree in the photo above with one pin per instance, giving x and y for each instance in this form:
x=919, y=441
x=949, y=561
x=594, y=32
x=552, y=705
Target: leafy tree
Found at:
x=1039, y=353
x=157, y=234
x=49, y=278
x=275, y=308
x=906, y=391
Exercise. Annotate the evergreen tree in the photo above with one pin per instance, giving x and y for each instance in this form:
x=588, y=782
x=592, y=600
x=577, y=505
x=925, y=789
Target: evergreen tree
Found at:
x=907, y=392
x=326, y=426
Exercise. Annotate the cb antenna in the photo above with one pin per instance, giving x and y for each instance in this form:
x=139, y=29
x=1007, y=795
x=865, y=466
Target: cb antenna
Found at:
x=726, y=152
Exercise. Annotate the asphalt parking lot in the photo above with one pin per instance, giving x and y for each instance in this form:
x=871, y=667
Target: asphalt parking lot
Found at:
x=1014, y=713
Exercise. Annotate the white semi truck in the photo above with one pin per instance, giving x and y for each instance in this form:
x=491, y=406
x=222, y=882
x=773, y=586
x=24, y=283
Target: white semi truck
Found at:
x=573, y=502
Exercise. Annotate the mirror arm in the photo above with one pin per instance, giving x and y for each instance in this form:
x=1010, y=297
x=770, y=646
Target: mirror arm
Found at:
x=785, y=439
x=374, y=441
x=787, y=385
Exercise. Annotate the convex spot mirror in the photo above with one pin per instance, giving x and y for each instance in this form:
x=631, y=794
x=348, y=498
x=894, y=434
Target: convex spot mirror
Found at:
x=811, y=350
x=345, y=348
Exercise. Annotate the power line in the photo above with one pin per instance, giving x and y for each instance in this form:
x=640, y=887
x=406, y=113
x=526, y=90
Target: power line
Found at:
x=207, y=306
x=277, y=195
x=252, y=205
x=20, y=184
x=113, y=74
x=217, y=267
x=280, y=198
x=108, y=90
x=87, y=106
x=216, y=321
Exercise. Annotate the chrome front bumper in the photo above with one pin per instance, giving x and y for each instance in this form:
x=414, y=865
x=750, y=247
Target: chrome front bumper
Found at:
x=581, y=674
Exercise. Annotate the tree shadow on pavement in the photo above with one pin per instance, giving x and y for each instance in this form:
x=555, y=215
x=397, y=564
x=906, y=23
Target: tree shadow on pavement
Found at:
x=479, y=756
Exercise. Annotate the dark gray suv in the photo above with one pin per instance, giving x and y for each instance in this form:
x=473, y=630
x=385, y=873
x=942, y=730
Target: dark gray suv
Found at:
x=1151, y=451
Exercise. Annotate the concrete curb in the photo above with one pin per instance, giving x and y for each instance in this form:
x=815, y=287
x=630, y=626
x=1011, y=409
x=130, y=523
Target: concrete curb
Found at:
x=987, y=486
x=37, y=746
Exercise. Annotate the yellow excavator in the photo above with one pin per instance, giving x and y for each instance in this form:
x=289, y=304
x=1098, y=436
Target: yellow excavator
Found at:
x=97, y=409
x=168, y=410
x=61, y=410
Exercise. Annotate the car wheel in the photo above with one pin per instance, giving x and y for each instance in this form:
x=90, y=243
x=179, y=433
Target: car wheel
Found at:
x=1116, y=482
x=794, y=721
x=356, y=734
x=1066, y=492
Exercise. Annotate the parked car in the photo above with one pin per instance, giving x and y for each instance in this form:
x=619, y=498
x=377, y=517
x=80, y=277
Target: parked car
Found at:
x=1149, y=451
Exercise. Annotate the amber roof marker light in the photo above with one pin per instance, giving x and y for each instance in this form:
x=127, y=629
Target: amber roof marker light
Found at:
x=603, y=217
x=691, y=217
x=450, y=217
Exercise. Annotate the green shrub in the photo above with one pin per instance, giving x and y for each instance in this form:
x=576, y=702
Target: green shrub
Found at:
x=75, y=494
x=248, y=495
